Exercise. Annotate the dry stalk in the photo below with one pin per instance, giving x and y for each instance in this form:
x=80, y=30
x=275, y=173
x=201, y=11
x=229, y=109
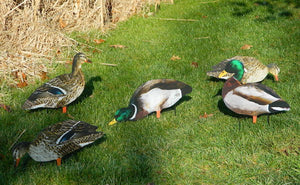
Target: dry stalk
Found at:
x=17, y=139
x=32, y=31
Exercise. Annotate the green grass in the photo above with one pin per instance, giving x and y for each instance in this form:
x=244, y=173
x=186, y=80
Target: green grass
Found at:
x=181, y=148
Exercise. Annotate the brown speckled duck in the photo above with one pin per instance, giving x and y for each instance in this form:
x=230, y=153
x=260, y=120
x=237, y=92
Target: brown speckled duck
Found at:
x=57, y=141
x=61, y=90
x=254, y=71
x=152, y=96
x=251, y=99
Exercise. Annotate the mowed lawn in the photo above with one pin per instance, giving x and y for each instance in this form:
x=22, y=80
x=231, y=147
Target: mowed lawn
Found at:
x=181, y=148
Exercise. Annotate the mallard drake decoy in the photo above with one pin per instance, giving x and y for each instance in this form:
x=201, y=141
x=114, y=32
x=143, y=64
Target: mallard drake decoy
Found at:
x=57, y=141
x=151, y=96
x=251, y=99
x=61, y=90
x=255, y=71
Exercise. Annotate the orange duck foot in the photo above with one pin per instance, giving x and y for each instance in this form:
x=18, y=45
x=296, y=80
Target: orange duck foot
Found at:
x=158, y=114
x=64, y=110
x=254, y=119
x=58, y=161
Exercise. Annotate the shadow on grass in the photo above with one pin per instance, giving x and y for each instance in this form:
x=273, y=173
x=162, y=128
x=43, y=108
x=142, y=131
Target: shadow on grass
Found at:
x=241, y=9
x=88, y=89
x=213, y=79
x=270, y=77
x=173, y=108
x=139, y=157
x=271, y=9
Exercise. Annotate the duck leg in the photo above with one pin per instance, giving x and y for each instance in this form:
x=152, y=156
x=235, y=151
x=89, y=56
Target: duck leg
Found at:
x=58, y=161
x=268, y=119
x=17, y=162
x=254, y=119
x=158, y=113
x=64, y=109
x=174, y=110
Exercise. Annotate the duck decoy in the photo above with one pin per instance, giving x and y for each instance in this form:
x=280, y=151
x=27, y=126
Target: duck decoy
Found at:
x=152, y=96
x=251, y=99
x=61, y=90
x=254, y=70
x=56, y=141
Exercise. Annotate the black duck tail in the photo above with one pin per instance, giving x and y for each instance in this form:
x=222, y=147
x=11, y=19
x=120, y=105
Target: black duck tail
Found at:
x=186, y=90
x=279, y=106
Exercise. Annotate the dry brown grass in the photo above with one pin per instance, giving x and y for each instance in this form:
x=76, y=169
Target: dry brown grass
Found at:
x=32, y=31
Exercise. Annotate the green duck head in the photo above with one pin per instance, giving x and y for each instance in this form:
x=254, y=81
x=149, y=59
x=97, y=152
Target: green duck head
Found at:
x=78, y=59
x=236, y=67
x=124, y=114
x=19, y=150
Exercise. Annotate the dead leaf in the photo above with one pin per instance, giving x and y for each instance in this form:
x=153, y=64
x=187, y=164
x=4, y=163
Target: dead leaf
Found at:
x=24, y=77
x=117, y=46
x=96, y=51
x=99, y=41
x=44, y=76
x=246, y=46
x=62, y=23
x=5, y=107
x=204, y=16
x=174, y=57
x=22, y=84
x=2, y=156
x=195, y=64
x=205, y=115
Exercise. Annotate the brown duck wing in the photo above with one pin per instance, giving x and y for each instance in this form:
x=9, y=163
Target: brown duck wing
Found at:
x=76, y=143
x=57, y=133
x=256, y=93
x=54, y=88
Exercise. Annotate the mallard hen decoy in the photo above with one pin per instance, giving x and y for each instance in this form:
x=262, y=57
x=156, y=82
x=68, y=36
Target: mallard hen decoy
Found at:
x=255, y=71
x=251, y=99
x=151, y=96
x=57, y=141
x=61, y=90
